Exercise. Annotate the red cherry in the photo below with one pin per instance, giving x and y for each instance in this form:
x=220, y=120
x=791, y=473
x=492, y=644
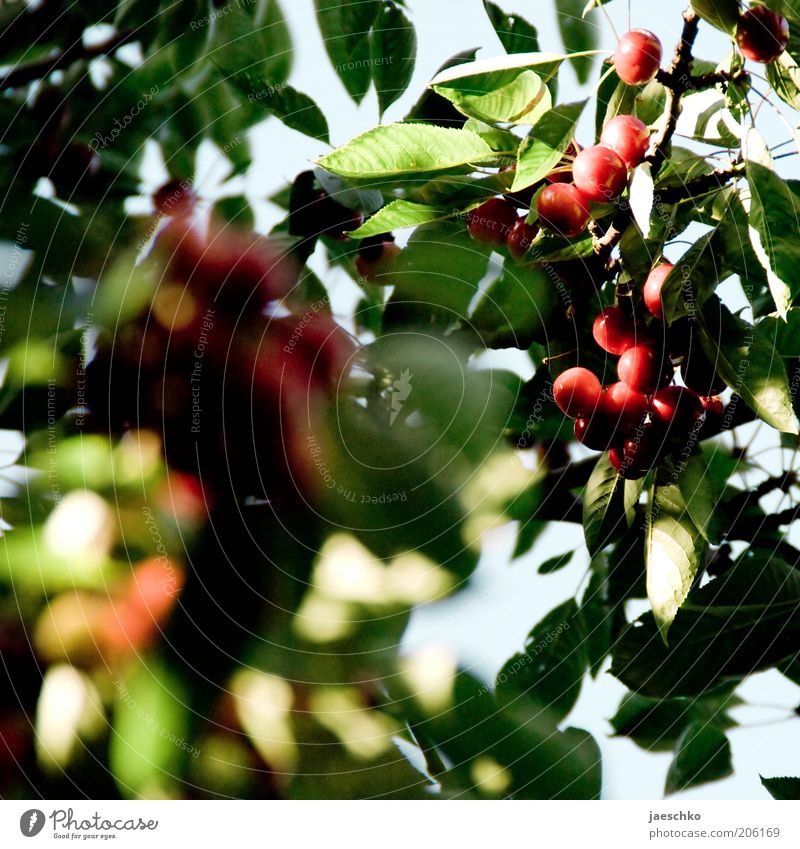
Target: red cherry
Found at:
x=563, y=209
x=174, y=198
x=599, y=173
x=677, y=409
x=521, y=237
x=616, y=330
x=643, y=448
x=577, y=392
x=492, y=221
x=617, y=458
x=628, y=137
x=642, y=368
x=637, y=57
x=713, y=406
x=624, y=407
x=593, y=432
x=700, y=375
x=762, y=35
x=652, y=289
x=375, y=257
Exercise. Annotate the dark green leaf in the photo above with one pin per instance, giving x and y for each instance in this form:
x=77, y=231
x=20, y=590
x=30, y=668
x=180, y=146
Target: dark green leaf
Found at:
x=514, y=32
x=784, y=788
x=345, y=28
x=748, y=363
x=703, y=755
x=596, y=615
x=295, y=109
x=603, y=506
x=546, y=143
x=578, y=34
x=393, y=54
x=743, y=622
x=694, y=278
x=723, y=14
x=783, y=334
x=550, y=670
x=553, y=564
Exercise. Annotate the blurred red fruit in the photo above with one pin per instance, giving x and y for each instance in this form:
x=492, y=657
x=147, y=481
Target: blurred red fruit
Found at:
x=762, y=35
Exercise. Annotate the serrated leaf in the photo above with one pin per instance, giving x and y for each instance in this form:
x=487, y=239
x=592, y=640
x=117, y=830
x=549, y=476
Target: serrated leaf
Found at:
x=603, y=505
x=674, y=551
x=784, y=76
x=483, y=74
x=546, y=143
x=775, y=232
x=703, y=755
x=550, y=670
x=391, y=150
x=783, y=788
x=393, y=47
x=514, y=32
x=748, y=363
x=522, y=100
x=345, y=28
x=398, y=215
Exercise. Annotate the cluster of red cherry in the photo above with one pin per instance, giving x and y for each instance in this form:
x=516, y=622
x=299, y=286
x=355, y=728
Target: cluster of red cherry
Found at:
x=643, y=416
x=600, y=173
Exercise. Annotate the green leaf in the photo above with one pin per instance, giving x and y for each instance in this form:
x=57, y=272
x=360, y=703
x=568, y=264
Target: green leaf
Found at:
x=784, y=788
x=578, y=34
x=748, y=363
x=722, y=14
x=596, y=615
x=694, y=277
x=514, y=32
x=703, y=501
x=396, y=149
x=252, y=37
x=703, y=755
x=497, y=139
x=295, y=109
x=151, y=723
x=393, y=54
x=550, y=669
x=657, y=724
x=396, y=216
x=784, y=76
x=743, y=622
x=674, y=549
x=784, y=335
x=553, y=564
x=603, y=506
x=345, y=28
x=775, y=232
x=521, y=101
x=546, y=143
x=520, y=307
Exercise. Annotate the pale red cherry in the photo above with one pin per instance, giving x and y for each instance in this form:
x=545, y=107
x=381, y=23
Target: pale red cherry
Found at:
x=600, y=173
x=652, y=289
x=577, y=392
x=627, y=136
x=762, y=35
x=563, y=209
x=637, y=57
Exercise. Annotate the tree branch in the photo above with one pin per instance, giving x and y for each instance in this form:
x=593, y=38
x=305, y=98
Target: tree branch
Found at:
x=25, y=74
x=677, y=80
x=700, y=185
